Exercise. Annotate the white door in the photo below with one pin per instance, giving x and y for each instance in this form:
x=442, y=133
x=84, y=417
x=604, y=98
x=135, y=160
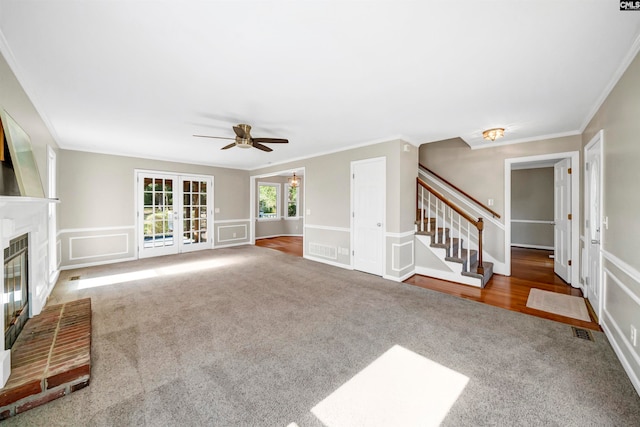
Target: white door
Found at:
x=562, y=219
x=173, y=213
x=593, y=223
x=368, y=214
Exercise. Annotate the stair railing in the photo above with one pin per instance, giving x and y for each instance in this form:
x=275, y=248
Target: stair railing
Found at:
x=432, y=204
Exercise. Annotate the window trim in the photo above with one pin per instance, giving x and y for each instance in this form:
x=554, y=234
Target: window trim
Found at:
x=278, y=198
x=286, y=203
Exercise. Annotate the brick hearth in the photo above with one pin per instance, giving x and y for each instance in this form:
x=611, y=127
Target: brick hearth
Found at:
x=51, y=358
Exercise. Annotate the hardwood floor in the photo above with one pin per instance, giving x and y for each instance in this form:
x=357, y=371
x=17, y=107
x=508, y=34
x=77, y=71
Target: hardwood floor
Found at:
x=530, y=268
x=288, y=244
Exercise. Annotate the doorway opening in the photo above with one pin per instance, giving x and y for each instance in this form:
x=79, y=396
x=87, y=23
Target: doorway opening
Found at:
x=551, y=224
x=278, y=210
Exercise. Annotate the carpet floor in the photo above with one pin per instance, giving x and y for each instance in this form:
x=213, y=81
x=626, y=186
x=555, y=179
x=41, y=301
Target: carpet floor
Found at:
x=249, y=336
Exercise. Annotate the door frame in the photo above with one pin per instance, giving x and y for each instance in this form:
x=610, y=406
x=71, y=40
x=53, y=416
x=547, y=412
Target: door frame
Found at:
x=253, y=197
x=179, y=175
x=383, y=242
x=597, y=138
x=575, y=207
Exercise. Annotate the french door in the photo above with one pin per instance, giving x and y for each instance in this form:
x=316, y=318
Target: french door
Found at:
x=174, y=213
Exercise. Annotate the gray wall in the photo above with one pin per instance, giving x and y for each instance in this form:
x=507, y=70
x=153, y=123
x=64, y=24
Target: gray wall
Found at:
x=328, y=198
x=532, y=200
x=619, y=117
x=97, y=212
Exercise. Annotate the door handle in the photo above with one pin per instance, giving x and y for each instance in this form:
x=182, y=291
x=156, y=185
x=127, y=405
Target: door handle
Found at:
x=595, y=242
x=379, y=224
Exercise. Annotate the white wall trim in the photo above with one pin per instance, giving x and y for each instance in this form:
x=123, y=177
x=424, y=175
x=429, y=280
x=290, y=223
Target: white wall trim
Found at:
x=396, y=246
x=616, y=348
x=234, y=238
x=623, y=266
x=72, y=239
x=231, y=245
x=575, y=207
x=624, y=287
x=401, y=235
x=528, y=246
x=328, y=228
x=278, y=235
x=531, y=221
x=229, y=221
x=96, y=263
x=630, y=56
x=326, y=261
x=90, y=229
x=401, y=278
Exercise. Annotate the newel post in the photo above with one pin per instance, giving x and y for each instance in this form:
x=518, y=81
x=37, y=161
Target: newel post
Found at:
x=480, y=227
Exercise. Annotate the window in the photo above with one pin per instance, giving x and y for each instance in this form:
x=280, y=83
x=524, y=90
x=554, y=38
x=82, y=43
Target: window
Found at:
x=268, y=200
x=291, y=201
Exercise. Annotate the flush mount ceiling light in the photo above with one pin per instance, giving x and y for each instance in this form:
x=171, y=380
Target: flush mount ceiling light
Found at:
x=294, y=181
x=493, y=134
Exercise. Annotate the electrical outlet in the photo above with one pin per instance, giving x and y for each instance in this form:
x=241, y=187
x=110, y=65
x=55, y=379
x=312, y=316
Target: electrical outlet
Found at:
x=216, y=210
x=490, y=202
x=234, y=234
x=634, y=336
x=308, y=211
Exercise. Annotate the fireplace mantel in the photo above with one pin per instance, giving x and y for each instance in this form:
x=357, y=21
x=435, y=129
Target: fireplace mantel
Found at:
x=26, y=215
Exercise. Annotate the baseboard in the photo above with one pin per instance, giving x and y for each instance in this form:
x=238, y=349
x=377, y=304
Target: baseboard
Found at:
x=635, y=381
x=527, y=246
x=278, y=235
x=326, y=261
x=230, y=245
x=96, y=263
x=401, y=278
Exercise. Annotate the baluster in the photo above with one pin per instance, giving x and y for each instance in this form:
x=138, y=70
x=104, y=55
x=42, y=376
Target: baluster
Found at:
x=468, y=246
x=459, y=234
x=451, y=232
x=422, y=209
x=429, y=213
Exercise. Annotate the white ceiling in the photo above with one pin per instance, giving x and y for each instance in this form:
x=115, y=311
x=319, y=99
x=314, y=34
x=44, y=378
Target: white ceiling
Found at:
x=139, y=78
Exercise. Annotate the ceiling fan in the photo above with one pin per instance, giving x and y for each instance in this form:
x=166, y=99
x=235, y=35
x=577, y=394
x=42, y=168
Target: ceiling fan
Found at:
x=244, y=139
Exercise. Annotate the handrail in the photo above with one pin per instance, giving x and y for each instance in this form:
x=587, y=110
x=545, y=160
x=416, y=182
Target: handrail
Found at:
x=448, y=203
x=464, y=193
x=478, y=224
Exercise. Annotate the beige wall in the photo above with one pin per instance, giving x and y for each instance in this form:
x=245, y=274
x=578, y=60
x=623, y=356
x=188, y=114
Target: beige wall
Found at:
x=619, y=117
x=15, y=101
x=480, y=172
x=328, y=198
x=532, y=199
x=97, y=194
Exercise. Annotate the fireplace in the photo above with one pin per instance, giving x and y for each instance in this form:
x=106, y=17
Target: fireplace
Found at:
x=16, y=291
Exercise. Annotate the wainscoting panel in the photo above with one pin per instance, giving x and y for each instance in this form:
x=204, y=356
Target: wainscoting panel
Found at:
x=92, y=246
x=330, y=245
x=228, y=234
x=621, y=312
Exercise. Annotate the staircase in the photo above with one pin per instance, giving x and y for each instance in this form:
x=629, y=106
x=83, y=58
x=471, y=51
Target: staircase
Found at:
x=452, y=238
x=452, y=251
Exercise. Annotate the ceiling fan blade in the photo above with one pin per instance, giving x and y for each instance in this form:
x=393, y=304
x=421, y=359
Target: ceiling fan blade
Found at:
x=272, y=140
x=216, y=137
x=239, y=131
x=261, y=147
x=228, y=146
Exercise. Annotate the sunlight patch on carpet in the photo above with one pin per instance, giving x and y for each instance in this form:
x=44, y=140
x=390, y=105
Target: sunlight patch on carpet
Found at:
x=561, y=304
x=399, y=388
x=178, y=268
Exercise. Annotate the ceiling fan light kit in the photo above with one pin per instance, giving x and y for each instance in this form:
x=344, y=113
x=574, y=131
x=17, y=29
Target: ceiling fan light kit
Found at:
x=244, y=139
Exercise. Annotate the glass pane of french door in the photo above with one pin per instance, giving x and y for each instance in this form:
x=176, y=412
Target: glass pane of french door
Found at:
x=174, y=213
x=195, y=213
x=158, y=215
